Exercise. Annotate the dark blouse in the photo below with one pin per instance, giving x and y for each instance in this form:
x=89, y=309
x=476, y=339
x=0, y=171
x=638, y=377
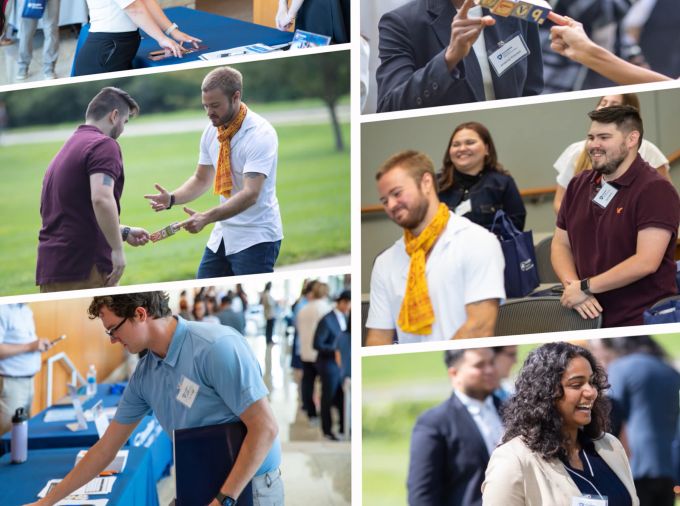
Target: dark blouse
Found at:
x=602, y=480
x=488, y=191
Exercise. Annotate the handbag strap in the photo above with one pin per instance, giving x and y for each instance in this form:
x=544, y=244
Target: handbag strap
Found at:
x=506, y=226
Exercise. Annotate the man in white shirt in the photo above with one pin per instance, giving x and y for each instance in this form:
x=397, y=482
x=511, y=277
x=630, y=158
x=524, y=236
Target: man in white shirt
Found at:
x=451, y=443
x=238, y=157
x=450, y=284
x=19, y=361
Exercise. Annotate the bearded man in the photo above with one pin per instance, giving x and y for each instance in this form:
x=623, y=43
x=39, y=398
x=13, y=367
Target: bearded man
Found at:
x=614, y=244
x=238, y=157
x=444, y=278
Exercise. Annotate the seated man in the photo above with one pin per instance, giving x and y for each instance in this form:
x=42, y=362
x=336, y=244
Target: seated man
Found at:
x=431, y=53
x=444, y=278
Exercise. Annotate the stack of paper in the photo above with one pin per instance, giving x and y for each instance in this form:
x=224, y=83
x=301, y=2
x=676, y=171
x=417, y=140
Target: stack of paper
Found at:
x=115, y=467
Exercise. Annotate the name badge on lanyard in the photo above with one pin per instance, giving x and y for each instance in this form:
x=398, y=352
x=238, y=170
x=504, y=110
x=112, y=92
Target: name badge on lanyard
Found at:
x=605, y=195
x=511, y=51
x=586, y=500
x=463, y=208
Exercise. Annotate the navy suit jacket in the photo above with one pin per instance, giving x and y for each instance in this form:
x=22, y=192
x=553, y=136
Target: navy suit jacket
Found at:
x=448, y=457
x=326, y=336
x=413, y=72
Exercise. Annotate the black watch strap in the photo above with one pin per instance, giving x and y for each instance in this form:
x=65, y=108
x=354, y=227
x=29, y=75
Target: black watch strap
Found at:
x=125, y=233
x=172, y=202
x=225, y=500
x=585, y=286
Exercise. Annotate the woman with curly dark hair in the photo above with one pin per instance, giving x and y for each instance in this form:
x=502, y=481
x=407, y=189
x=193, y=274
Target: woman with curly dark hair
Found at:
x=555, y=450
x=472, y=182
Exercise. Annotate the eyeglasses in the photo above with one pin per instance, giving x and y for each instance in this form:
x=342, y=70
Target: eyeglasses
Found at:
x=109, y=332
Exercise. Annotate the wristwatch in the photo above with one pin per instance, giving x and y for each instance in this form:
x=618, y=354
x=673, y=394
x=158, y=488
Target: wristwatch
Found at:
x=225, y=500
x=172, y=202
x=585, y=286
x=125, y=233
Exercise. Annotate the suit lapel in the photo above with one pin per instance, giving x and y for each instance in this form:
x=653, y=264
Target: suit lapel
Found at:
x=466, y=426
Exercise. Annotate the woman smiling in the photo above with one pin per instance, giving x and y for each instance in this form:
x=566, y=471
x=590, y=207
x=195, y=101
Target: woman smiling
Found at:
x=555, y=449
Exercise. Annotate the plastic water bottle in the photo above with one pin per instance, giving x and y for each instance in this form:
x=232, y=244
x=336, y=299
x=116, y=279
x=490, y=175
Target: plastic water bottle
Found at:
x=91, y=381
x=19, y=448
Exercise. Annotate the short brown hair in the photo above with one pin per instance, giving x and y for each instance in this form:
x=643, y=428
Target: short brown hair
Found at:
x=109, y=99
x=626, y=118
x=416, y=163
x=124, y=305
x=320, y=290
x=227, y=79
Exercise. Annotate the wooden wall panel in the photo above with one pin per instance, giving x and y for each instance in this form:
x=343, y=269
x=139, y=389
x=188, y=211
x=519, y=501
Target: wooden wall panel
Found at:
x=264, y=12
x=86, y=344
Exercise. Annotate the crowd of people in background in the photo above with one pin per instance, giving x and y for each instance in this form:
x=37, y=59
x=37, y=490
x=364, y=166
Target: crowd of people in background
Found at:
x=320, y=343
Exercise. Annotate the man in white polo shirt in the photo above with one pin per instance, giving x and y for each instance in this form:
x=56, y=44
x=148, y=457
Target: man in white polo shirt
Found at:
x=238, y=159
x=20, y=351
x=444, y=278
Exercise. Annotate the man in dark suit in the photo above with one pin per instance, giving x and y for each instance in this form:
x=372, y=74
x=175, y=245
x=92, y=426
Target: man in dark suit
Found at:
x=326, y=343
x=451, y=443
x=431, y=53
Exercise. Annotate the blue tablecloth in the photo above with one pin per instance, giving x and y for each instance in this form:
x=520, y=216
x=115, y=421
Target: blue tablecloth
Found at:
x=135, y=486
x=217, y=32
x=148, y=434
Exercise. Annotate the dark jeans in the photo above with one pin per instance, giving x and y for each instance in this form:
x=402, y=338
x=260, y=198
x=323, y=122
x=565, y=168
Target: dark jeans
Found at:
x=655, y=491
x=309, y=374
x=331, y=392
x=257, y=259
x=106, y=52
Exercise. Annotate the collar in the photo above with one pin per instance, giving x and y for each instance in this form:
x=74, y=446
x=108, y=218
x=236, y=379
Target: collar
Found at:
x=474, y=405
x=628, y=178
x=176, y=343
x=339, y=314
x=92, y=128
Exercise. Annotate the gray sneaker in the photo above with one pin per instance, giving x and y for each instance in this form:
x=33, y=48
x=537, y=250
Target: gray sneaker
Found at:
x=22, y=73
x=50, y=73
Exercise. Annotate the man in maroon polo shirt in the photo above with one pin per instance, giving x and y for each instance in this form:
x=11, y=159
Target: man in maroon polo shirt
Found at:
x=81, y=238
x=616, y=230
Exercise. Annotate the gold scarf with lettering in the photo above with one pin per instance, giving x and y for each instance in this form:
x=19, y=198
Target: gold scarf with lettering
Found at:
x=416, y=315
x=223, y=182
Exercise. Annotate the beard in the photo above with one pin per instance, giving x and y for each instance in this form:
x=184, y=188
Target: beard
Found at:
x=414, y=216
x=611, y=163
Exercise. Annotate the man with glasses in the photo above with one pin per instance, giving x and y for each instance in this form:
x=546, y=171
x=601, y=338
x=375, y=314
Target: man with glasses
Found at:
x=194, y=374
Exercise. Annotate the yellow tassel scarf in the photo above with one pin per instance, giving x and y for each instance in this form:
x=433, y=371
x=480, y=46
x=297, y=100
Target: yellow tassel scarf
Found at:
x=223, y=182
x=416, y=315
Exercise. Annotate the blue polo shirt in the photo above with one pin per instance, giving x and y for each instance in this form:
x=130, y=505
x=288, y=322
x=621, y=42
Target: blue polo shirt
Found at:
x=215, y=359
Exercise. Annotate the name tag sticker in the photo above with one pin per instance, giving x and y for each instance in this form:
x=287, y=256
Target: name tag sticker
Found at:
x=511, y=51
x=463, y=208
x=589, y=501
x=187, y=392
x=605, y=195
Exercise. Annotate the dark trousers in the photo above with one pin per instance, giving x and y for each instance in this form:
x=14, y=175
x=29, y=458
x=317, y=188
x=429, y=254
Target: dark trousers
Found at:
x=257, y=259
x=331, y=392
x=309, y=374
x=106, y=52
x=269, y=331
x=655, y=491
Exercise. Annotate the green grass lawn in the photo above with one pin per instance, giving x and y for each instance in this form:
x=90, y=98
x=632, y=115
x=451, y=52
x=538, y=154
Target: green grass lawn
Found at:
x=313, y=188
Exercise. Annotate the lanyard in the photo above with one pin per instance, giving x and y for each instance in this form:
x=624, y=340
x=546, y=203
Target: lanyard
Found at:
x=584, y=478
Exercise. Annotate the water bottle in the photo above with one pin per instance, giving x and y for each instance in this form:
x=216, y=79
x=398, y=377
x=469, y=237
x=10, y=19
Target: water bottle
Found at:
x=19, y=448
x=91, y=381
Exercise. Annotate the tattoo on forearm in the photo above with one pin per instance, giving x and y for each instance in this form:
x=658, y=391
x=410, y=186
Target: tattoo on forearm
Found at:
x=107, y=180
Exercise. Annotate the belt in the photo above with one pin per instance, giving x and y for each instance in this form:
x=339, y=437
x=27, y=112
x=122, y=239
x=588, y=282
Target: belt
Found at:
x=16, y=377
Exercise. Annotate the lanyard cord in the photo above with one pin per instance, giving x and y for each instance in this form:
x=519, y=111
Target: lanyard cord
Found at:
x=584, y=478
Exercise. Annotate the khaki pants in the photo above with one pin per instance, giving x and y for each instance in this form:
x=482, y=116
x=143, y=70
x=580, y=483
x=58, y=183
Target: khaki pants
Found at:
x=14, y=393
x=95, y=280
